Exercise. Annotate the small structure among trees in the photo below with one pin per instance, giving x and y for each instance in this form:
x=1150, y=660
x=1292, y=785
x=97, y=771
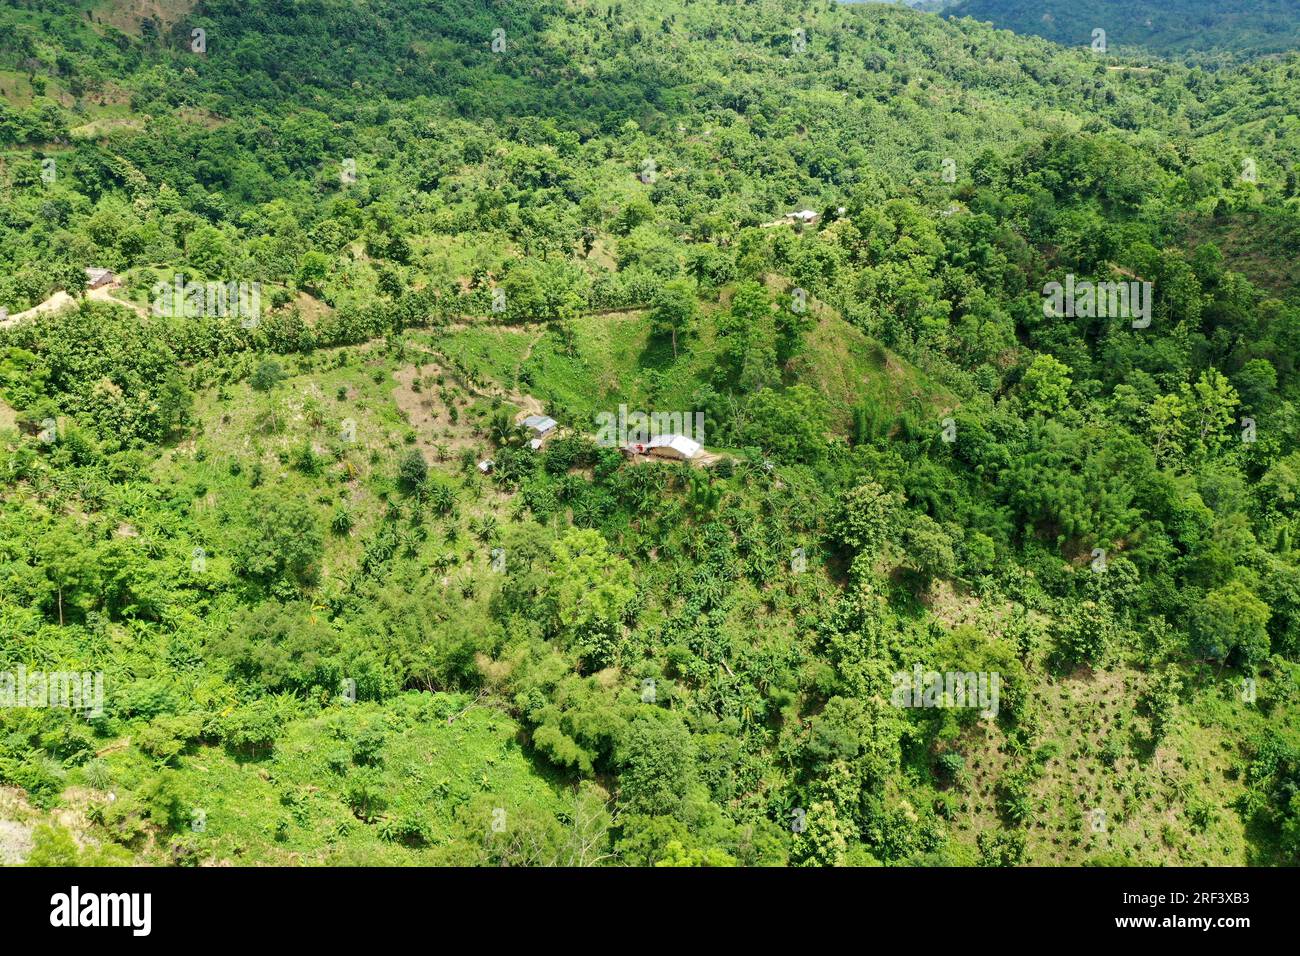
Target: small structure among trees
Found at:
x=670, y=447
x=97, y=278
x=540, y=425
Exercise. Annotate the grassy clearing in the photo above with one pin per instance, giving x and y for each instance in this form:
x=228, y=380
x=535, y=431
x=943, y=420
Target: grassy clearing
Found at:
x=301, y=804
x=615, y=359
x=126, y=15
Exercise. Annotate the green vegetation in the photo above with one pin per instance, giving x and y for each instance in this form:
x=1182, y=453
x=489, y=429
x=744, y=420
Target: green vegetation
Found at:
x=1219, y=27
x=327, y=636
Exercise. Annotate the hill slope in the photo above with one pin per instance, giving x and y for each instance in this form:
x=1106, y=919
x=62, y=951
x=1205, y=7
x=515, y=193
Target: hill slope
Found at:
x=331, y=632
x=1241, y=27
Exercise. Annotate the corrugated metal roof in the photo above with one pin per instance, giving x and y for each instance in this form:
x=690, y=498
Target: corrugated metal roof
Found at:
x=687, y=447
x=540, y=423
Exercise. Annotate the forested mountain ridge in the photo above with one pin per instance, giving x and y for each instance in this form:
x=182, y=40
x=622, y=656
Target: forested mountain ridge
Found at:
x=1168, y=27
x=328, y=636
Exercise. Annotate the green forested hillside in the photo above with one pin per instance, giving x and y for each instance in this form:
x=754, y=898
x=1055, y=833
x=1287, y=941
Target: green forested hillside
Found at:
x=1233, y=27
x=328, y=637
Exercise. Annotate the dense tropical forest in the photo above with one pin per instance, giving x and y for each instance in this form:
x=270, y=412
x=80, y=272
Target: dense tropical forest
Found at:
x=347, y=610
x=1219, y=29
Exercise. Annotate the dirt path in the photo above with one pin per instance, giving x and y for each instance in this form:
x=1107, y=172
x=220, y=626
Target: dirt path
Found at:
x=61, y=300
x=17, y=820
x=528, y=353
x=523, y=359
x=105, y=294
x=487, y=322
x=8, y=416
x=527, y=403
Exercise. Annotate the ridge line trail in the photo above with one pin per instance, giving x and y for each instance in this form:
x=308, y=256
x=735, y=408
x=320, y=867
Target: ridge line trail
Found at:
x=622, y=314
x=528, y=403
x=62, y=300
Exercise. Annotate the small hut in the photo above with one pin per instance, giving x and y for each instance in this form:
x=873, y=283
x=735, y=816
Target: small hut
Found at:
x=99, y=278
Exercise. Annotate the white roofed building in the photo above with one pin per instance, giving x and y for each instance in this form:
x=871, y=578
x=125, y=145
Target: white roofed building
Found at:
x=675, y=447
x=540, y=425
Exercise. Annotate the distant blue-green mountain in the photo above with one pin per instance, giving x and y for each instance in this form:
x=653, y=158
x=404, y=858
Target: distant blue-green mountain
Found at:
x=1246, y=27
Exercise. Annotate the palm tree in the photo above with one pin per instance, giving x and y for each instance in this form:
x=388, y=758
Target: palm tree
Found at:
x=485, y=528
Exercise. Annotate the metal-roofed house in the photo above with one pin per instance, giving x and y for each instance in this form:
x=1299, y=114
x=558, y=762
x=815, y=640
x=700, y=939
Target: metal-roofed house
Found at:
x=540, y=425
x=672, y=447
